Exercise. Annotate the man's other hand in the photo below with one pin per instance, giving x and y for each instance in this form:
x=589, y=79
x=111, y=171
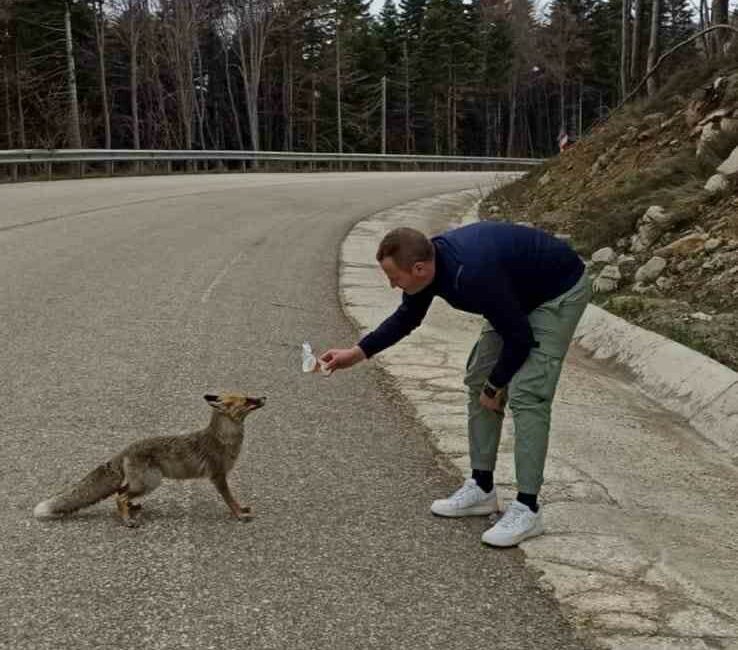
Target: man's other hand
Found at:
x=340, y=358
x=496, y=403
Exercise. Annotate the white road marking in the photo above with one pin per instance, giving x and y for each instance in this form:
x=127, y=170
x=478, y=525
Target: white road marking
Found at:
x=206, y=296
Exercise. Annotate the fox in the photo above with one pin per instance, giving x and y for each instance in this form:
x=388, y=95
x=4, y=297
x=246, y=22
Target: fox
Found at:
x=138, y=469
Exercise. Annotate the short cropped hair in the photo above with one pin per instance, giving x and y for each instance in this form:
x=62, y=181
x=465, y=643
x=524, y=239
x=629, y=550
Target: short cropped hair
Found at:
x=405, y=246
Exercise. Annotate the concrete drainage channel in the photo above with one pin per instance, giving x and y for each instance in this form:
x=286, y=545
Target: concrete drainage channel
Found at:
x=631, y=489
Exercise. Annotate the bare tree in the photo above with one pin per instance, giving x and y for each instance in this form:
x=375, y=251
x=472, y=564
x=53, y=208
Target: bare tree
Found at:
x=637, y=38
x=75, y=139
x=719, y=14
x=100, y=28
x=225, y=28
x=563, y=48
x=180, y=21
x=653, y=46
x=522, y=45
x=624, y=41
x=254, y=20
x=129, y=27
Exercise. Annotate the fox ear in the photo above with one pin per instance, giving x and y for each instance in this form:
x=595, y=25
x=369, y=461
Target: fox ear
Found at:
x=210, y=399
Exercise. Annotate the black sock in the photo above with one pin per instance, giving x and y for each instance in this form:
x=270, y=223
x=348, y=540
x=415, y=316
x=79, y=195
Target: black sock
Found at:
x=530, y=500
x=484, y=479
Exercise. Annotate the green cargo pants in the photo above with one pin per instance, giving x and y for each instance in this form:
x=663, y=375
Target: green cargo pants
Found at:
x=530, y=391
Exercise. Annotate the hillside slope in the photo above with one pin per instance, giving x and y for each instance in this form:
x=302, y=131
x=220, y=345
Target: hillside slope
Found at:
x=650, y=200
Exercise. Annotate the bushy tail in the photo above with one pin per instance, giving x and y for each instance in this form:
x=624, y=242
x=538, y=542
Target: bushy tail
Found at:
x=99, y=484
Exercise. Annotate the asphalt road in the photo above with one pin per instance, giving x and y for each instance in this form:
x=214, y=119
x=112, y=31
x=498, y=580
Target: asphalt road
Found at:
x=122, y=302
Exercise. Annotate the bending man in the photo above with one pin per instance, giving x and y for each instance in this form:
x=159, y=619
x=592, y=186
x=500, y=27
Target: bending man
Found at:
x=532, y=290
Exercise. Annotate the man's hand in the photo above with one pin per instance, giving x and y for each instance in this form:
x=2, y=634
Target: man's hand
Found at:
x=496, y=403
x=340, y=358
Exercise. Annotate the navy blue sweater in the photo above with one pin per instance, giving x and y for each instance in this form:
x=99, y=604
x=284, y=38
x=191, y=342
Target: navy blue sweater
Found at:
x=498, y=270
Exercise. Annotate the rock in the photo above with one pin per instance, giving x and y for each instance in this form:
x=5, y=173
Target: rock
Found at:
x=622, y=243
x=729, y=125
x=709, y=133
x=714, y=263
x=713, y=244
x=607, y=280
x=698, y=315
x=563, y=236
x=545, y=179
x=494, y=209
x=650, y=270
x=715, y=115
x=605, y=255
x=552, y=217
x=627, y=265
x=687, y=265
x=643, y=289
x=717, y=183
x=729, y=166
x=654, y=118
x=664, y=283
x=602, y=161
x=526, y=224
x=651, y=226
x=684, y=247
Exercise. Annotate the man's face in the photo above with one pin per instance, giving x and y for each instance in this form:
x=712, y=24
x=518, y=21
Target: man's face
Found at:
x=412, y=281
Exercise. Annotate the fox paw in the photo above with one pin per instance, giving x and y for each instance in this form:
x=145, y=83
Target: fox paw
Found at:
x=244, y=514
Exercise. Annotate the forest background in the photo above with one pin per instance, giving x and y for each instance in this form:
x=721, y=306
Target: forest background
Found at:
x=481, y=77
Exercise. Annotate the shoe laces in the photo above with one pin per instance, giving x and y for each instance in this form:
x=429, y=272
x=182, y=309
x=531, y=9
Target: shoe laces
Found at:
x=465, y=491
x=514, y=513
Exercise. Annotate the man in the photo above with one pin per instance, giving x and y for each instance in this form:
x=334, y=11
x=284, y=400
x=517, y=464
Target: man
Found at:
x=532, y=290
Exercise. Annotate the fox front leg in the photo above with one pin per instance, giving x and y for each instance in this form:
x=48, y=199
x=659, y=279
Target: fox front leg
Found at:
x=126, y=509
x=221, y=484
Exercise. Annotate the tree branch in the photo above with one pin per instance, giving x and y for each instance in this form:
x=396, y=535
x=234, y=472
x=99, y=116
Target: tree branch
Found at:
x=664, y=56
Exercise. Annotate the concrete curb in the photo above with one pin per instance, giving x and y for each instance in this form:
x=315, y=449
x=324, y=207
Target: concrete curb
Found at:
x=682, y=380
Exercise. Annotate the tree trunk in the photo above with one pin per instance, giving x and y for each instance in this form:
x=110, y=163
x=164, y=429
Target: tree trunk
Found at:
x=562, y=107
x=75, y=139
x=288, y=85
x=338, y=87
x=637, y=39
x=232, y=101
x=407, y=97
x=624, y=46
x=314, y=116
x=513, y=113
x=199, y=98
x=720, y=12
x=8, y=112
x=653, y=46
x=100, y=39
x=19, y=99
x=134, y=35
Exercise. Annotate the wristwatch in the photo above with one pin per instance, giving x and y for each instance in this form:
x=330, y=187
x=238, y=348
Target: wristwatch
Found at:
x=489, y=390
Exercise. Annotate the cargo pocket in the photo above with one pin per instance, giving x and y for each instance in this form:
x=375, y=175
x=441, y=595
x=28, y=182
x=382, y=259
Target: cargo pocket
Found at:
x=536, y=380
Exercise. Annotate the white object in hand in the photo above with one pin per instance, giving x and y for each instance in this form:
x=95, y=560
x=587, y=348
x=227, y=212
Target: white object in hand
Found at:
x=310, y=363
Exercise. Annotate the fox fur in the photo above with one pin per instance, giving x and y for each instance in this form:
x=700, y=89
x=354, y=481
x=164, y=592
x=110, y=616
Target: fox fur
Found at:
x=139, y=468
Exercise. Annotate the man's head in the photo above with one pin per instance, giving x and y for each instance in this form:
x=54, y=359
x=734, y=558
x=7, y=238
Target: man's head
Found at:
x=407, y=258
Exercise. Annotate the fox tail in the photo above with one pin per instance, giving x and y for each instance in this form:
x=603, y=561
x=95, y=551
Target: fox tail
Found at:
x=99, y=484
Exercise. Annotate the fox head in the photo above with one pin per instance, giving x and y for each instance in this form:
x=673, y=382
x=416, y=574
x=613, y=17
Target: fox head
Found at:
x=235, y=405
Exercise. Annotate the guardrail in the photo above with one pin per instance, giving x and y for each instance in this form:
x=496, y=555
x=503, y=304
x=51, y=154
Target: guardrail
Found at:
x=257, y=159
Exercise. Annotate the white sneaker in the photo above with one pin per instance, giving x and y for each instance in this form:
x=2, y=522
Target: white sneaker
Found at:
x=518, y=523
x=467, y=501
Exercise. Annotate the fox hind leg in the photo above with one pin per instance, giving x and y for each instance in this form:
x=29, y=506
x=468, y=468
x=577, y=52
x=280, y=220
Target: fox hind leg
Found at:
x=139, y=480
